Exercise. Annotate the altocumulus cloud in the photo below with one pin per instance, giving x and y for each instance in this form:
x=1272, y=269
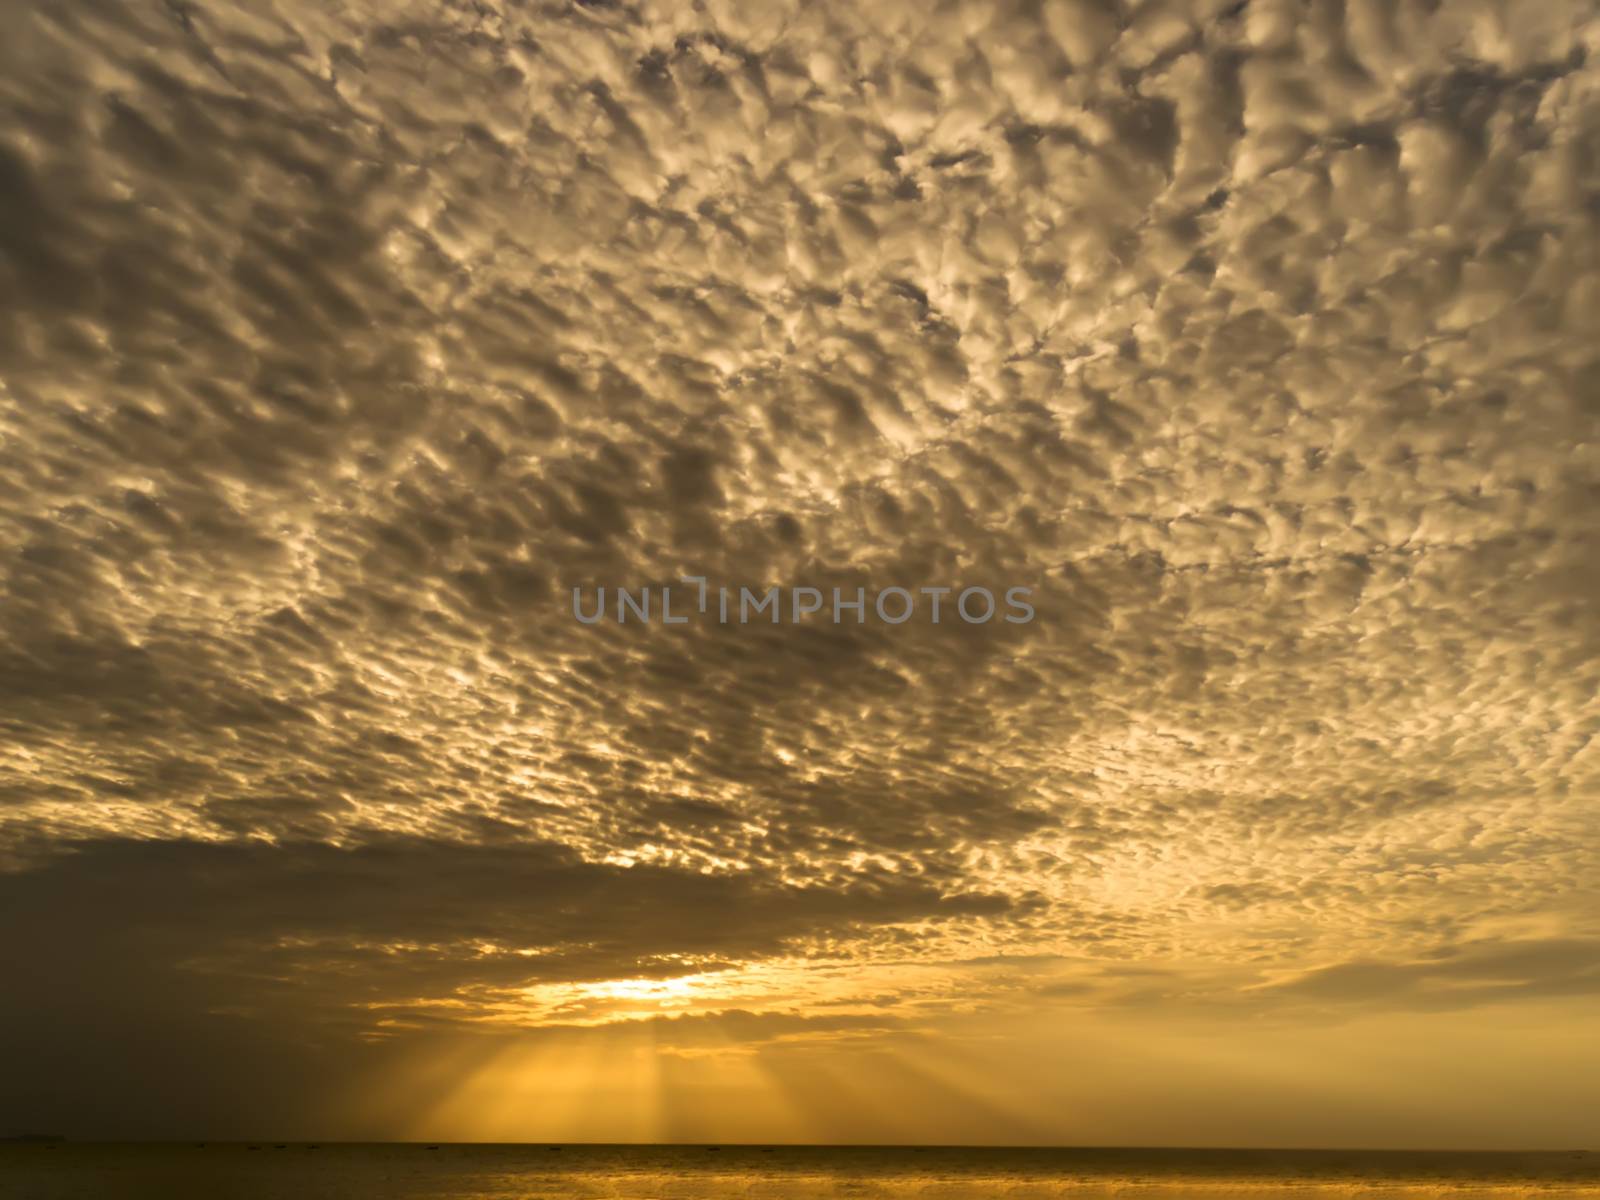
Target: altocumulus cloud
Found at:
x=341, y=341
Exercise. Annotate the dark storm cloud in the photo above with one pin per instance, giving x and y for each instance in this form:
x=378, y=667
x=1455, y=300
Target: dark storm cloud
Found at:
x=340, y=342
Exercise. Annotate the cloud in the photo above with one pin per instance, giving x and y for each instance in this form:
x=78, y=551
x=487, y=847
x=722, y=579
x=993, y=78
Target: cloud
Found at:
x=342, y=343
x=1459, y=977
x=430, y=917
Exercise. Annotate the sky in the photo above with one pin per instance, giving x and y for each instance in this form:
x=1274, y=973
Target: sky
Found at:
x=1258, y=340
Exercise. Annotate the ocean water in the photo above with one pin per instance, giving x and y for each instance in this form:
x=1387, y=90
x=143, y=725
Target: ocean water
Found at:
x=301, y=1171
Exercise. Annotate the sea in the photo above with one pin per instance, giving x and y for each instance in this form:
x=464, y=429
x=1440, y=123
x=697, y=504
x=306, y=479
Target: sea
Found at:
x=335, y=1171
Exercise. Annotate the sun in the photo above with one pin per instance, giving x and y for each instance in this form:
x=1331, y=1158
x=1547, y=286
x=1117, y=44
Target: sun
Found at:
x=662, y=991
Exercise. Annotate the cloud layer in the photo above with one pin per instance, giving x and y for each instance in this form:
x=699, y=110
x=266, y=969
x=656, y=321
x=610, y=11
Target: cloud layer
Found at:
x=342, y=341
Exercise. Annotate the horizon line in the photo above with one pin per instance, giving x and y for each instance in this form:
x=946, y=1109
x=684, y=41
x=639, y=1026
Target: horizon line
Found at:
x=436, y=1143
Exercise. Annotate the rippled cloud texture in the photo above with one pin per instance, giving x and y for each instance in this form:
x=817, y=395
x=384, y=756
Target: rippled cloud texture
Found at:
x=341, y=341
